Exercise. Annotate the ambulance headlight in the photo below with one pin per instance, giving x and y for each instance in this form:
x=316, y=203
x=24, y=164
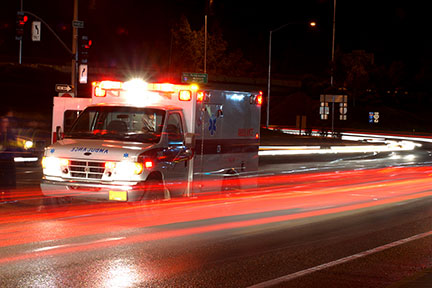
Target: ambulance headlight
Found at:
x=127, y=168
x=54, y=165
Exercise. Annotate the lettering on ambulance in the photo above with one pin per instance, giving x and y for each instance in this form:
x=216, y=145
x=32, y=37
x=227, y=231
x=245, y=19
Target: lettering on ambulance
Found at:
x=244, y=132
x=92, y=150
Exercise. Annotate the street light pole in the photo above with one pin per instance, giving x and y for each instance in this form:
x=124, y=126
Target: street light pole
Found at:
x=268, y=81
x=333, y=44
x=312, y=24
x=74, y=69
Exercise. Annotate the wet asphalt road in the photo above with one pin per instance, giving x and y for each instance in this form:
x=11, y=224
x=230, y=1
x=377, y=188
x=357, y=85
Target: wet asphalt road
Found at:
x=310, y=229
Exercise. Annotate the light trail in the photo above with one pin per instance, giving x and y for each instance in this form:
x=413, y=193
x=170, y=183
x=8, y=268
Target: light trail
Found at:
x=289, y=197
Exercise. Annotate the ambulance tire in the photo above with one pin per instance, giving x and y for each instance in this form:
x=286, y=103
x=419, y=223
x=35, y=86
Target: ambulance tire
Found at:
x=230, y=183
x=56, y=201
x=154, y=189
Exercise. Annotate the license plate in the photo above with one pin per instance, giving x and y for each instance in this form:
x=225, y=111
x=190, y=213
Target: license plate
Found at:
x=118, y=195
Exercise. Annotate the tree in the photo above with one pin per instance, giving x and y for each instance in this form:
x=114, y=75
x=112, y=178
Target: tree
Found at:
x=188, y=52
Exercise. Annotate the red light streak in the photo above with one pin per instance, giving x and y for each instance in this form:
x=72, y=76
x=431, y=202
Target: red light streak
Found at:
x=301, y=196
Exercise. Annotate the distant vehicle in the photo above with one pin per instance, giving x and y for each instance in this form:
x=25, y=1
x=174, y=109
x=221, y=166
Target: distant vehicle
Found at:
x=135, y=140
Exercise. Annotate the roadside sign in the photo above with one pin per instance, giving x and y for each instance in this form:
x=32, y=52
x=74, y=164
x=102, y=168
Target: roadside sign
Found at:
x=63, y=88
x=36, y=30
x=342, y=98
x=376, y=117
x=77, y=24
x=199, y=78
x=83, y=71
x=373, y=117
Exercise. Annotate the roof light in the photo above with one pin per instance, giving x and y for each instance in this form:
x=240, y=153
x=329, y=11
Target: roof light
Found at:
x=200, y=96
x=111, y=85
x=185, y=95
x=194, y=87
x=259, y=98
x=163, y=87
x=99, y=92
x=101, y=87
x=135, y=86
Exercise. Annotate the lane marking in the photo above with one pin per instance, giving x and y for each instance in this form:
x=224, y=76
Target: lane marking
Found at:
x=76, y=244
x=339, y=261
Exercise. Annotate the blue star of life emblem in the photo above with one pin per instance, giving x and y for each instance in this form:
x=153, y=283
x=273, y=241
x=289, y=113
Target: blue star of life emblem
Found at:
x=212, y=125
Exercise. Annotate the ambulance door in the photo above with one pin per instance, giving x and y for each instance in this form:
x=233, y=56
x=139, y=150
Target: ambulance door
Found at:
x=175, y=155
x=209, y=148
x=65, y=111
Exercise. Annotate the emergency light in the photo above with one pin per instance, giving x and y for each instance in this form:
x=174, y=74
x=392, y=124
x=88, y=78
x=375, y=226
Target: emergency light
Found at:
x=135, y=87
x=185, y=95
x=259, y=98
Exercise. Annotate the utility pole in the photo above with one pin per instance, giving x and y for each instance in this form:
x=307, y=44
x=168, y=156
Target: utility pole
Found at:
x=74, y=69
x=333, y=62
x=20, y=41
x=333, y=44
x=205, y=43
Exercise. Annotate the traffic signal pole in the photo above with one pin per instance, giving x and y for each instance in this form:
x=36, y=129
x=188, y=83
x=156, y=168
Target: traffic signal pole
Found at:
x=74, y=69
x=20, y=41
x=73, y=52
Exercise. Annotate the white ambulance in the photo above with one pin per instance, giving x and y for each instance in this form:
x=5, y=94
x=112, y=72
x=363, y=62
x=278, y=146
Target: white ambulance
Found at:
x=135, y=141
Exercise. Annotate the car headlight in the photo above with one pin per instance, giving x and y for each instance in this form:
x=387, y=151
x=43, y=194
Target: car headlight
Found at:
x=28, y=144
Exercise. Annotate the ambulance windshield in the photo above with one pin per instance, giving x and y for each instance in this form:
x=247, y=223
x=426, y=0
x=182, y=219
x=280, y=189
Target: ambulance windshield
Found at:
x=119, y=123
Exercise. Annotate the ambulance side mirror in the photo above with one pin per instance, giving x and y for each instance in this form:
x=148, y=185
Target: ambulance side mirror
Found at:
x=190, y=140
x=59, y=134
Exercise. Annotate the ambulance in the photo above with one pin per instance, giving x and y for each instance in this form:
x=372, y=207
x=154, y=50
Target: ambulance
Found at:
x=134, y=141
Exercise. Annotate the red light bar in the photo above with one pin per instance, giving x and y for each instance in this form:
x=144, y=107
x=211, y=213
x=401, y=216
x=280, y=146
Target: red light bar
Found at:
x=111, y=85
x=185, y=95
x=200, y=96
x=259, y=98
x=101, y=87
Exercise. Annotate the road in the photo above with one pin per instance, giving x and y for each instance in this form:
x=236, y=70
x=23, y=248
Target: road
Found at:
x=327, y=221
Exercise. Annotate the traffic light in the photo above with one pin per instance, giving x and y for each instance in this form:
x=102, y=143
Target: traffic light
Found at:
x=20, y=22
x=84, y=49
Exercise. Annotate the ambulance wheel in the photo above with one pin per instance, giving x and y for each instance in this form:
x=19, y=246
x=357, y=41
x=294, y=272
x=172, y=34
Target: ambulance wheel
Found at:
x=230, y=182
x=155, y=189
x=56, y=201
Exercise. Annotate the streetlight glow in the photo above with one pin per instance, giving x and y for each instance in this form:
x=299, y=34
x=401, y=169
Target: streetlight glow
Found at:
x=311, y=24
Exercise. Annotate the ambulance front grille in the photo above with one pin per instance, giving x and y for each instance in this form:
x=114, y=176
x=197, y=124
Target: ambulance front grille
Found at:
x=86, y=169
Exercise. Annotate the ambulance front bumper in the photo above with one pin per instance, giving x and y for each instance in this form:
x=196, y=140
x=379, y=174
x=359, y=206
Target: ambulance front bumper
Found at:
x=127, y=191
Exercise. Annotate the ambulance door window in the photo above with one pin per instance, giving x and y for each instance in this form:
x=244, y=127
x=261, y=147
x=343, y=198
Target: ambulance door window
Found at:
x=69, y=118
x=174, y=129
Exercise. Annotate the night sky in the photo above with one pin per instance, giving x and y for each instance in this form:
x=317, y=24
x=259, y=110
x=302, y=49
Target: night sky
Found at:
x=135, y=32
